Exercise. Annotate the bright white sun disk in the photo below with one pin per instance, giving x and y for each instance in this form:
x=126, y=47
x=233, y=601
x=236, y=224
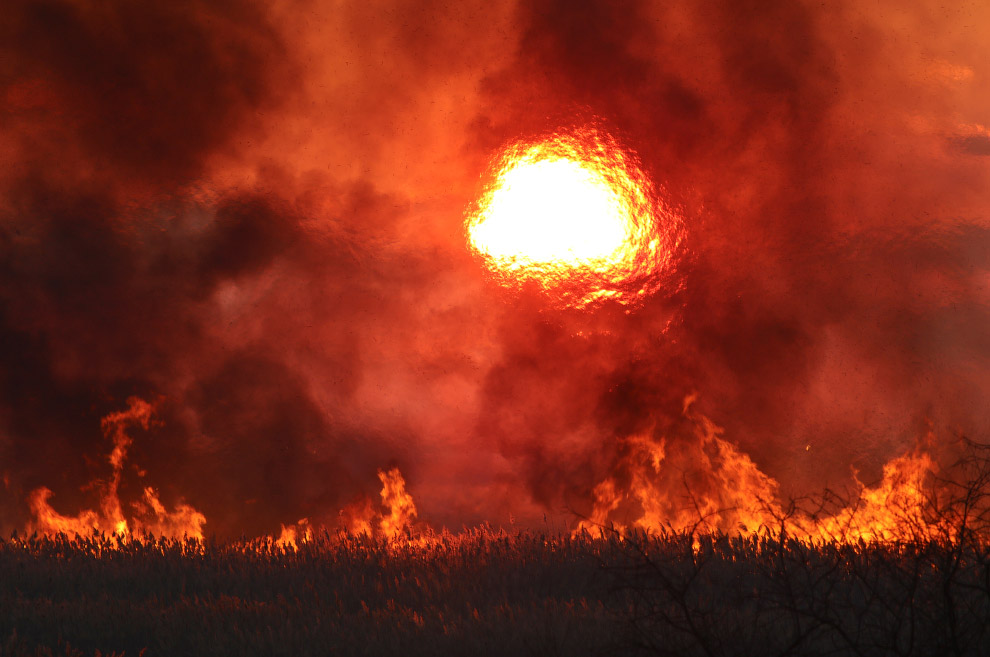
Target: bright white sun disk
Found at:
x=552, y=211
x=572, y=215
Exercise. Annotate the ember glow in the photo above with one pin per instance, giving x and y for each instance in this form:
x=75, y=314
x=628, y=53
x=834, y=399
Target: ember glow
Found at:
x=573, y=213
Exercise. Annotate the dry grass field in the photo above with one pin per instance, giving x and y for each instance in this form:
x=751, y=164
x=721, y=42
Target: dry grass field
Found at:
x=485, y=592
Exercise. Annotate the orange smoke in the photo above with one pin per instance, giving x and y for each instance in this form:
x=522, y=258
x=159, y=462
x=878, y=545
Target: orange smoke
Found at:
x=148, y=514
x=574, y=214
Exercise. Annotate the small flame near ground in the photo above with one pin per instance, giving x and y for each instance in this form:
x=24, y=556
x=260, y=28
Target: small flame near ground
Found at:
x=573, y=214
x=697, y=484
x=395, y=521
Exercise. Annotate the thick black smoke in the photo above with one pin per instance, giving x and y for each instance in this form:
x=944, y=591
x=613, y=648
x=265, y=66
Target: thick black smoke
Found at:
x=251, y=214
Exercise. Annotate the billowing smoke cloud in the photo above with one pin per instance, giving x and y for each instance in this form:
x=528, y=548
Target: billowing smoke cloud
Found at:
x=250, y=214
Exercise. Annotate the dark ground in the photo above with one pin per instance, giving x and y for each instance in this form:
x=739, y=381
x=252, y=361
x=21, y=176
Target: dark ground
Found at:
x=484, y=592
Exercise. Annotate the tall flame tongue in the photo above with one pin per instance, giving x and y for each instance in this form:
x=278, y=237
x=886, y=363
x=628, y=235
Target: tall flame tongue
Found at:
x=575, y=215
x=148, y=514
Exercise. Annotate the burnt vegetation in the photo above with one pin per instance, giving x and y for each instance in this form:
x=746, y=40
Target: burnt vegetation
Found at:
x=488, y=592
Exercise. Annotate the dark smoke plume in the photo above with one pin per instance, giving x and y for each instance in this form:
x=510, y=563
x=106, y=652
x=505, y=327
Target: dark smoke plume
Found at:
x=251, y=215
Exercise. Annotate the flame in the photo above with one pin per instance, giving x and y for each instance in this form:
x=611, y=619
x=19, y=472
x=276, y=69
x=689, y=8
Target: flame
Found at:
x=148, y=515
x=703, y=483
x=358, y=518
x=292, y=535
x=896, y=509
x=699, y=483
x=401, y=509
x=573, y=213
x=49, y=521
x=399, y=514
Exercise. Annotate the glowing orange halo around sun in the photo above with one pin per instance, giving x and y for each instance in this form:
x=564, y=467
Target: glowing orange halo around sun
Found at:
x=573, y=214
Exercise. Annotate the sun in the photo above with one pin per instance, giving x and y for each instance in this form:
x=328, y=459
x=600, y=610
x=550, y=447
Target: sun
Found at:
x=573, y=213
x=552, y=211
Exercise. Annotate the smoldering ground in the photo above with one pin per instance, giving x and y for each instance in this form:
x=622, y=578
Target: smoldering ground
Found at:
x=252, y=214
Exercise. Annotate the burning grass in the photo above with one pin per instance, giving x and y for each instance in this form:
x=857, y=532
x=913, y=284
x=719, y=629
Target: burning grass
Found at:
x=710, y=563
x=487, y=592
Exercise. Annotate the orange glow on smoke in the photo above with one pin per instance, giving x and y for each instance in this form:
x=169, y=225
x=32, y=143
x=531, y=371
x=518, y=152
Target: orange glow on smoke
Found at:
x=575, y=215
